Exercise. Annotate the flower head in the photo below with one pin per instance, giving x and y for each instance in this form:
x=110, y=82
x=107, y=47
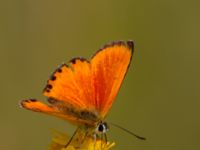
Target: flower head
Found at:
x=60, y=141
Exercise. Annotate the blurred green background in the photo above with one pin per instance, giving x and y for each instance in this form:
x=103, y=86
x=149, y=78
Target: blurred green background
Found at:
x=160, y=96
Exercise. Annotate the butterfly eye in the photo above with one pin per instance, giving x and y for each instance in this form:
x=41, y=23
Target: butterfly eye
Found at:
x=102, y=127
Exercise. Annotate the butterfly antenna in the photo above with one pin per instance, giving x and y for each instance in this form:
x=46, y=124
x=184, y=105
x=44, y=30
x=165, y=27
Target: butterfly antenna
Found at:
x=127, y=131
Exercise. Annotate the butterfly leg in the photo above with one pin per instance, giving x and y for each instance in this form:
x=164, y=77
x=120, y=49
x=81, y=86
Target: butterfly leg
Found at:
x=95, y=140
x=84, y=138
x=70, y=140
x=106, y=139
x=103, y=138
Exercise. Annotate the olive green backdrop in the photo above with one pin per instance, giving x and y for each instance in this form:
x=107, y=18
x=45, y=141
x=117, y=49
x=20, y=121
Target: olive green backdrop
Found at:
x=160, y=96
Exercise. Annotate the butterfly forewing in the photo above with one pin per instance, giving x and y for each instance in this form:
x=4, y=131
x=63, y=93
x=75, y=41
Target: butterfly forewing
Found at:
x=109, y=67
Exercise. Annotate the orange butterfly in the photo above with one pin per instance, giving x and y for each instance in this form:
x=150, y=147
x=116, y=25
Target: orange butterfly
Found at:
x=83, y=91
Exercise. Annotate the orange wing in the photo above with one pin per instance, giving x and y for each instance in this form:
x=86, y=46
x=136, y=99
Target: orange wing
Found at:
x=109, y=66
x=84, y=91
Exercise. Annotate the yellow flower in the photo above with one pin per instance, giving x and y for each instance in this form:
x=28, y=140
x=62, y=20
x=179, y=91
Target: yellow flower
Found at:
x=60, y=140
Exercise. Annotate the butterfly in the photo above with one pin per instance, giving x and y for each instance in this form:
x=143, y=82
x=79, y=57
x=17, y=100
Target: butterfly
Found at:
x=83, y=91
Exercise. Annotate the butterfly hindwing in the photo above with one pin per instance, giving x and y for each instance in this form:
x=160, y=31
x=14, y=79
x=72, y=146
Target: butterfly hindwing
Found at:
x=64, y=112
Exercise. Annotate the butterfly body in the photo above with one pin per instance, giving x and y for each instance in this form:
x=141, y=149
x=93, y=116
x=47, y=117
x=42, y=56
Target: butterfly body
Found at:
x=82, y=91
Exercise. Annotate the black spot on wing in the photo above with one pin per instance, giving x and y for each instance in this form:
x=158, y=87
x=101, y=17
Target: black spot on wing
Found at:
x=73, y=60
x=48, y=88
x=53, y=78
x=33, y=100
x=52, y=100
x=59, y=69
